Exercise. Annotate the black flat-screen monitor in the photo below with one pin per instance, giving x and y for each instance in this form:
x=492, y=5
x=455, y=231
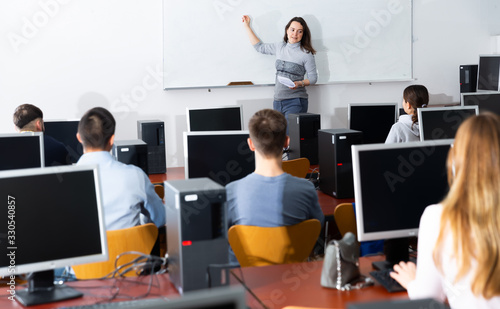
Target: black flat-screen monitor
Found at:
x=486, y=101
x=488, y=73
x=65, y=132
x=222, y=156
x=443, y=122
x=21, y=150
x=53, y=218
x=227, y=118
x=374, y=120
x=393, y=184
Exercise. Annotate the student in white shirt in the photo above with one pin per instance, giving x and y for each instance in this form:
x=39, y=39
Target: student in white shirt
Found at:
x=407, y=129
x=459, y=239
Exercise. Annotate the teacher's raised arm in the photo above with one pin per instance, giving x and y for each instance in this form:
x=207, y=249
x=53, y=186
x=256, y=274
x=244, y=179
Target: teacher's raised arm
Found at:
x=251, y=35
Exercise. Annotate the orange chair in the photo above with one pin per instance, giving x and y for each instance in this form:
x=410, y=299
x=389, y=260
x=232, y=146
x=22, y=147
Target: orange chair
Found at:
x=297, y=167
x=345, y=219
x=260, y=246
x=138, y=238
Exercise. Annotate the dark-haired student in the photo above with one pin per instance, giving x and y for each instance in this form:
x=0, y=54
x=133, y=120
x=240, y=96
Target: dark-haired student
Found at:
x=270, y=197
x=407, y=128
x=129, y=198
x=29, y=118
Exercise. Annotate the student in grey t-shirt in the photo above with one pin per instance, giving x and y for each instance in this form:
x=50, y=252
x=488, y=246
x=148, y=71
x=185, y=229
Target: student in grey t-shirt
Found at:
x=294, y=58
x=270, y=197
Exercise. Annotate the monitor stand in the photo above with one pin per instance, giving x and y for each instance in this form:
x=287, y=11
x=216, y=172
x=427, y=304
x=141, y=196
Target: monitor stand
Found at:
x=395, y=250
x=41, y=290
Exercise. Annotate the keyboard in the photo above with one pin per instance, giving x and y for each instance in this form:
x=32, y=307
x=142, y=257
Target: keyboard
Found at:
x=383, y=277
x=146, y=303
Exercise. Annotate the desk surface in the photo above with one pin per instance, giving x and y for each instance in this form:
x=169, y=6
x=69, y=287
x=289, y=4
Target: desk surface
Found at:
x=275, y=286
x=96, y=291
x=299, y=285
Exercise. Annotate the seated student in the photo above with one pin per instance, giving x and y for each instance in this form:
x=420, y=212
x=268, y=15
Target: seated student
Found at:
x=29, y=118
x=270, y=197
x=406, y=129
x=129, y=198
x=459, y=239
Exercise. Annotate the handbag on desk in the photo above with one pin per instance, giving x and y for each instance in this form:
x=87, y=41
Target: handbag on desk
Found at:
x=341, y=264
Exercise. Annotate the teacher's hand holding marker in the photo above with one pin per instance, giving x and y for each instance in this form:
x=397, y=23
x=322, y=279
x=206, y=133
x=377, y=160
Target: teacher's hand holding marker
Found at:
x=294, y=59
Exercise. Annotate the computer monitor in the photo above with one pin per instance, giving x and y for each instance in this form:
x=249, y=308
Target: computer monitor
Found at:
x=222, y=156
x=443, y=122
x=21, y=150
x=53, y=218
x=393, y=184
x=226, y=118
x=486, y=101
x=488, y=72
x=65, y=132
x=374, y=120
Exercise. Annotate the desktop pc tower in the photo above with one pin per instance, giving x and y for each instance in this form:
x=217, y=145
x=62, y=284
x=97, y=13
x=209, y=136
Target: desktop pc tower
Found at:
x=131, y=152
x=303, y=131
x=153, y=133
x=468, y=78
x=196, y=232
x=335, y=161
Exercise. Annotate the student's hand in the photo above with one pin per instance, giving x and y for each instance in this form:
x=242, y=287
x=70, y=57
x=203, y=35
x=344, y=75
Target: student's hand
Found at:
x=246, y=20
x=404, y=273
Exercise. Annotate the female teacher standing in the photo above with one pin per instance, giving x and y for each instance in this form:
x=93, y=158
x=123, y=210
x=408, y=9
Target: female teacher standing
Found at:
x=294, y=58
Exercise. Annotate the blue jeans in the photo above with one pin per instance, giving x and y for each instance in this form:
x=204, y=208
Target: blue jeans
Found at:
x=291, y=106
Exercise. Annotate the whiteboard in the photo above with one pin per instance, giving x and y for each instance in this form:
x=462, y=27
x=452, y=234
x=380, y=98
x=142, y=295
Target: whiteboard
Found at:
x=206, y=45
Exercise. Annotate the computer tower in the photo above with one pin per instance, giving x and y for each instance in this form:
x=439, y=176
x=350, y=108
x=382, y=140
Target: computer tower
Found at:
x=468, y=78
x=131, y=152
x=153, y=133
x=303, y=131
x=335, y=161
x=196, y=231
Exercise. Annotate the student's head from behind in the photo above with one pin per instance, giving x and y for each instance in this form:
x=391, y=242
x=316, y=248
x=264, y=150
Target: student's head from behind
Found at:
x=474, y=159
x=297, y=31
x=471, y=211
x=415, y=96
x=28, y=117
x=96, y=130
x=268, y=132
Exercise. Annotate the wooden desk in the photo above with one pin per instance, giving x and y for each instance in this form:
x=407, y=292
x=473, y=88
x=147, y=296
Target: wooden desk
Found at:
x=100, y=290
x=298, y=284
x=173, y=173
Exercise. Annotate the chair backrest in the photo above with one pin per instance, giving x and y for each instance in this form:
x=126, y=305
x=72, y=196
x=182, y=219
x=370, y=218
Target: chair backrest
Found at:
x=345, y=218
x=259, y=246
x=297, y=167
x=160, y=190
x=138, y=238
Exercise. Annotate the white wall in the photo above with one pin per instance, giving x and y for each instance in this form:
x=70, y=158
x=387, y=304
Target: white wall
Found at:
x=67, y=56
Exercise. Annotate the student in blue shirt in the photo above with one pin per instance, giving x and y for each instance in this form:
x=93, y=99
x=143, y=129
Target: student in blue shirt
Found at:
x=129, y=197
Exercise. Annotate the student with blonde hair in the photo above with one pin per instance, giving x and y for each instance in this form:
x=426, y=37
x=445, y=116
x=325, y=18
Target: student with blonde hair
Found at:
x=459, y=239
